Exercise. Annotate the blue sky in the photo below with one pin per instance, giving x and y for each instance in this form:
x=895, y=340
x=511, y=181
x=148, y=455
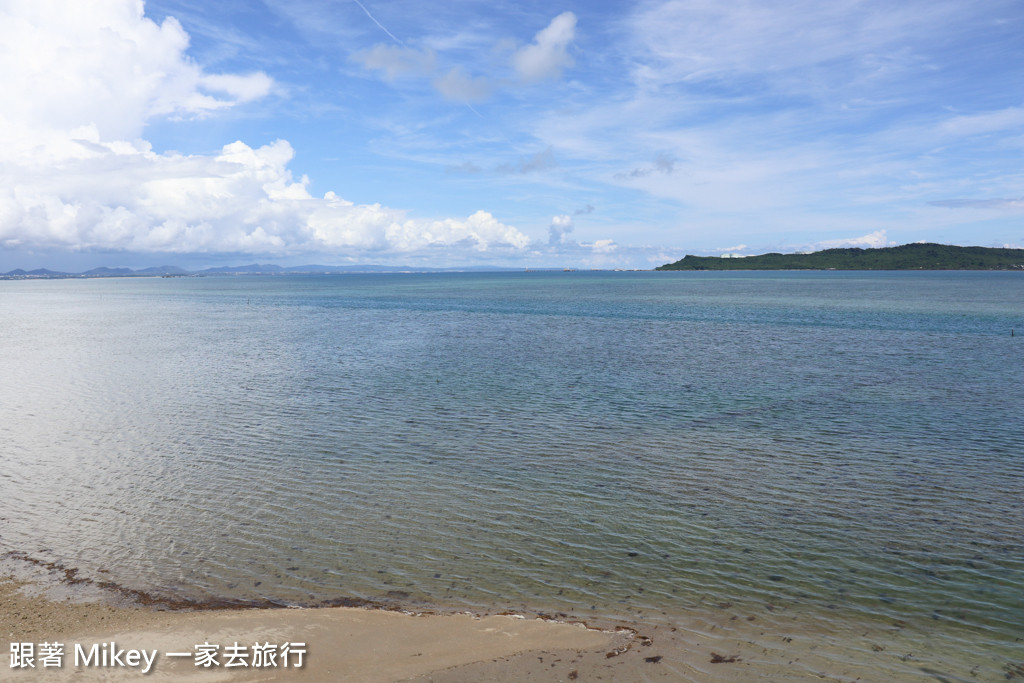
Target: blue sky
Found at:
x=592, y=134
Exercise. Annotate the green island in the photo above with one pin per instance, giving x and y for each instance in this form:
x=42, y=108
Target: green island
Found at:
x=921, y=256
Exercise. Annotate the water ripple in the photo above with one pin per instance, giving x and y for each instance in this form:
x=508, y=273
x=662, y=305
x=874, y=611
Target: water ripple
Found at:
x=594, y=446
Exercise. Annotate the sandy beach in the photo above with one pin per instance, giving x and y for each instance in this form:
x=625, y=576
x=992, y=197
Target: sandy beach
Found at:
x=349, y=644
x=375, y=645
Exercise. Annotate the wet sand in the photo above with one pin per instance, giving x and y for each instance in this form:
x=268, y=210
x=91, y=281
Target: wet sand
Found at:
x=375, y=645
x=341, y=644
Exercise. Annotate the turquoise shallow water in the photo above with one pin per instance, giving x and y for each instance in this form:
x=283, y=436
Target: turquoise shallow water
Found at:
x=598, y=444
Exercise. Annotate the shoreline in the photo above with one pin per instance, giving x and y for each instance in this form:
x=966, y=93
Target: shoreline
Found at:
x=336, y=643
x=384, y=643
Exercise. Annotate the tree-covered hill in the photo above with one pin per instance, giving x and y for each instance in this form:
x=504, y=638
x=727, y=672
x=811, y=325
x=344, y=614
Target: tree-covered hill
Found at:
x=905, y=257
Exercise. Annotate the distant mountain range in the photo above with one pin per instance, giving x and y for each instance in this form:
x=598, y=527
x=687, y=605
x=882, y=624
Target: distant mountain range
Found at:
x=922, y=256
x=251, y=269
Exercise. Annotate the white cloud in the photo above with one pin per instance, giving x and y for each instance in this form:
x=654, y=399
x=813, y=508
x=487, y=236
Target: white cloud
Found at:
x=1011, y=118
x=730, y=250
x=240, y=88
x=996, y=203
x=742, y=107
x=602, y=253
x=458, y=86
x=694, y=40
x=558, y=231
x=547, y=55
x=397, y=61
x=872, y=240
x=663, y=163
x=542, y=59
x=540, y=161
x=80, y=82
x=242, y=200
x=602, y=246
x=103, y=64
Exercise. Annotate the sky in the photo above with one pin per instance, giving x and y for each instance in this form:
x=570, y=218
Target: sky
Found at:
x=536, y=134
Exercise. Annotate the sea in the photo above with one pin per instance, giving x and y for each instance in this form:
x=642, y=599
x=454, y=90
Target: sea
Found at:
x=603, y=446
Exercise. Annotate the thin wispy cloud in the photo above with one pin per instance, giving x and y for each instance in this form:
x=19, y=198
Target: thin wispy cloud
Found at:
x=397, y=61
x=996, y=203
x=663, y=163
x=544, y=58
x=459, y=86
x=543, y=160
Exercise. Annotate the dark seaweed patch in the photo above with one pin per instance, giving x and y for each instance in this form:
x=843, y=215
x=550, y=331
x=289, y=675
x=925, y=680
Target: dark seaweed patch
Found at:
x=722, y=659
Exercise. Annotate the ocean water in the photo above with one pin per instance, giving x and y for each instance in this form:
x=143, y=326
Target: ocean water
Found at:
x=600, y=445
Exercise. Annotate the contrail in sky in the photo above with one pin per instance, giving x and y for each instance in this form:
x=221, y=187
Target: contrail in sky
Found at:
x=382, y=27
x=397, y=40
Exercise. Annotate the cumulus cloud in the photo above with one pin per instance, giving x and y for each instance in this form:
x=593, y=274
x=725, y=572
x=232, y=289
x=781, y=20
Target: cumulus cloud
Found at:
x=731, y=250
x=602, y=246
x=547, y=55
x=80, y=82
x=603, y=253
x=65, y=65
x=559, y=229
x=239, y=88
x=872, y=240
x=241, y=200
x=600, y=253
